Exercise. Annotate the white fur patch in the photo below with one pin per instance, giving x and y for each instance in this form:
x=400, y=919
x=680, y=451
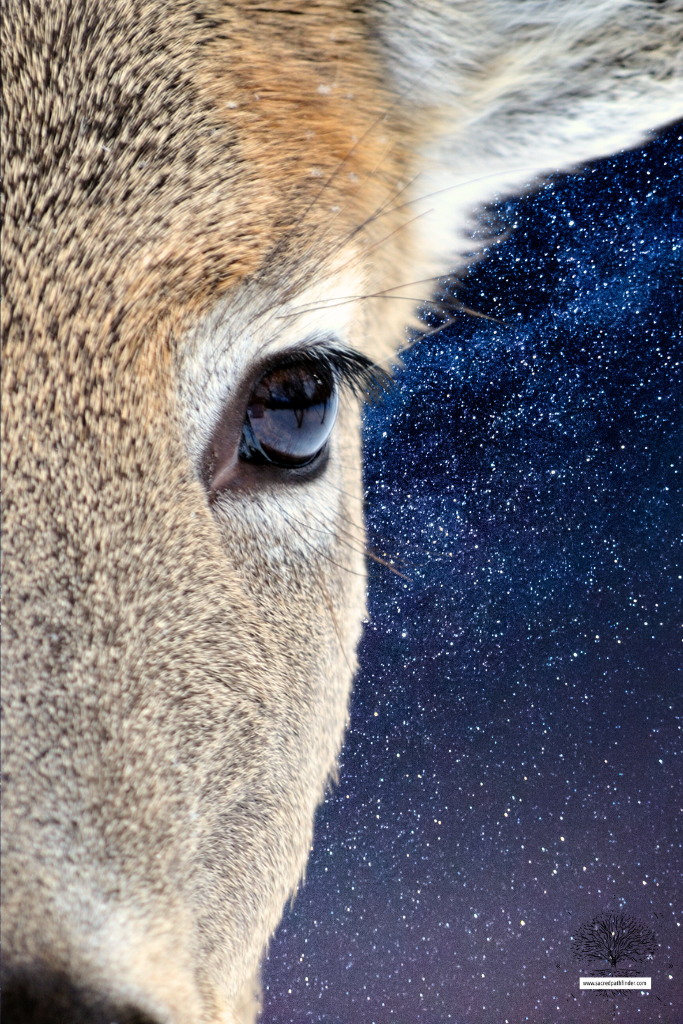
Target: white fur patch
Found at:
x=505, y=90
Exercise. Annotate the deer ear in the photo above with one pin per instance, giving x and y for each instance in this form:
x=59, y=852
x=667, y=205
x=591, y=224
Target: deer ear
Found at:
x=497, y=91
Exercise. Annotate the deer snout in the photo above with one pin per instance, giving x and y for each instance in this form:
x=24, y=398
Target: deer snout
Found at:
x=39, y=995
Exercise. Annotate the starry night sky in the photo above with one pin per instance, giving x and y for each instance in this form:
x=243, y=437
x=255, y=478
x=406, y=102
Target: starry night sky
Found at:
x=514, y=763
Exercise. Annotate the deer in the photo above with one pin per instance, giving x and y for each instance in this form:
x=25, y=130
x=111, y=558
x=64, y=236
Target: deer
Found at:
x=219, y=217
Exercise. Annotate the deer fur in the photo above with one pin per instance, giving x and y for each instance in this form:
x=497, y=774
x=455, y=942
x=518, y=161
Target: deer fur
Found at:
x=189, y=185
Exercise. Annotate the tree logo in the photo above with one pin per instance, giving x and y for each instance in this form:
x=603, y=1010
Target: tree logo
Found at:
x=613, y=945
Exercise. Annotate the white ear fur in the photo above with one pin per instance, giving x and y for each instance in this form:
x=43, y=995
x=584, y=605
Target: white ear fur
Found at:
x=502, y=90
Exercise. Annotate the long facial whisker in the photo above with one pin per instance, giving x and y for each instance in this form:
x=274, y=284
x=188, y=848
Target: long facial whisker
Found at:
x=371, y=127
x=344, y=300
x=387, y=564
x=343, y=242
x=434, y=330
x=460, y=307
x=451, y=188
x=323, y=528
x=314, y=547
x=348, y=494
x=328, y=602
x=218, y=345
x=368, y=550
x=384, y=210
x=382, y=293
x=351, y=522
x=415, y=300
x=384, y=207
x=367, y=177
x=340, y=246
x=391, y=234
x=365, y=550
x=335, y=534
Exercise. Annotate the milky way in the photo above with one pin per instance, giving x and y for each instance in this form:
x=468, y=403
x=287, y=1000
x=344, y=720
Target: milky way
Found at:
x=513, y=766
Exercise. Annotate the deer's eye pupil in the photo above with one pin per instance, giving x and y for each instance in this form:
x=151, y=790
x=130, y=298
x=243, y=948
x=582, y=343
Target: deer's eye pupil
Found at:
x=290, y=414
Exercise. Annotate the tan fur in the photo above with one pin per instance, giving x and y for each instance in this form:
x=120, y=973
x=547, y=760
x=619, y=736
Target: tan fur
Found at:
x=187, y=184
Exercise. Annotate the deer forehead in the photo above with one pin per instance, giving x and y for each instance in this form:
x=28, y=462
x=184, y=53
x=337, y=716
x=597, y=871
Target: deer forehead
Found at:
x=185, y=152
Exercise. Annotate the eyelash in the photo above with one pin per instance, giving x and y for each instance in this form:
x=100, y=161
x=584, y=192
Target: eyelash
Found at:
x=348, y=368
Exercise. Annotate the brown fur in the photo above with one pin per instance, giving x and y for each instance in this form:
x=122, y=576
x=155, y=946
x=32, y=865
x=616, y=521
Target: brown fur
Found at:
x=176, y=673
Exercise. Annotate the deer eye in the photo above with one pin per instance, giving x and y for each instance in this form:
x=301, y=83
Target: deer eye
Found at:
x=290, y=414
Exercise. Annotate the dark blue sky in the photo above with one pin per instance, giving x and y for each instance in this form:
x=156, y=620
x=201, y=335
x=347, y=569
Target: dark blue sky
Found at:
x=514, y=764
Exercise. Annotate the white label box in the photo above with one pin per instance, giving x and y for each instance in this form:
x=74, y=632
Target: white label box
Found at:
x=634, y=983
